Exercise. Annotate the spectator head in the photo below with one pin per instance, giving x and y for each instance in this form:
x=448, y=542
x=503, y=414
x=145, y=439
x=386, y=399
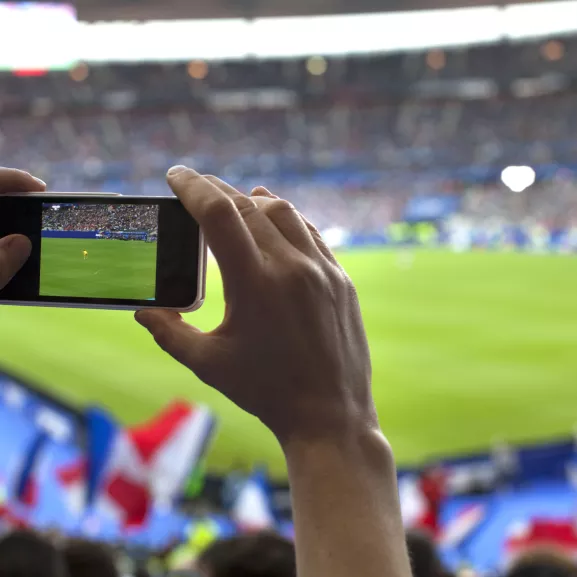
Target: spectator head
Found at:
x=88, y=559
x=258, y=555
x=26, y=554
x=543, y=562
x=423, y=555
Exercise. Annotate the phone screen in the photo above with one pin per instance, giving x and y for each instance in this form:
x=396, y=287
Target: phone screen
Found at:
x=99, y=250
x=104, y=251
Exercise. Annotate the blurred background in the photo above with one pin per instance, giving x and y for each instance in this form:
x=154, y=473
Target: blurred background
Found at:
x=432, y=143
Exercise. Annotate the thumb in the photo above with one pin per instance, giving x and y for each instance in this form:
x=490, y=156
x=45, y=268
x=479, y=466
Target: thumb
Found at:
x=182, y=341
x=14, y=252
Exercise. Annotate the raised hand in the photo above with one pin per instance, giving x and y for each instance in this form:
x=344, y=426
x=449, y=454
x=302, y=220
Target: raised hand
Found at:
x=291, y=348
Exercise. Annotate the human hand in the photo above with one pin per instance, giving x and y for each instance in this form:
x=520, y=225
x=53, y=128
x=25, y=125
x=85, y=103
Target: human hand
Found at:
x=15, y=248
x=292, y=348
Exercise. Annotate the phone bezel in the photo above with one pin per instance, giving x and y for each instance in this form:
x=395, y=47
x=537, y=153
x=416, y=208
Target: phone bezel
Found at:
x=201, y=260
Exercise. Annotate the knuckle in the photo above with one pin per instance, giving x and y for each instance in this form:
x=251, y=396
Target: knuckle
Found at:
x=187, y=178
x=246, y=210
x=245, y=205
x=346, y=280
x=314, y=231
x=218, y=208
x=350, y=288
x=303, y=275
x=278, y=205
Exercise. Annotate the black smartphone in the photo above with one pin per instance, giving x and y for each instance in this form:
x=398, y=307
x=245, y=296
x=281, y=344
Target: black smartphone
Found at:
x=105, y=251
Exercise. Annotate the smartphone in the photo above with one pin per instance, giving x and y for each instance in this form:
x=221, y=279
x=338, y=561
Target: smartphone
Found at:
x=105, y=251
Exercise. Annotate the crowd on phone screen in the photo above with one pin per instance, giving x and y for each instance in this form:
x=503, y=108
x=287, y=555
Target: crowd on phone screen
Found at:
x=112, y=218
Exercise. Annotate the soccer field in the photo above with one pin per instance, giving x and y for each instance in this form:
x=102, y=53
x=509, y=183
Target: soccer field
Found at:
x=466, y=348
x=112, y=269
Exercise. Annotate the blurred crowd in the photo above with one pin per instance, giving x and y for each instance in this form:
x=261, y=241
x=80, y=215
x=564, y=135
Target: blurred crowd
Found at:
x=343, y=166
x=349, y=146
x=109, y=218
x=411, y=134
x=24, y=553
x=551, y=203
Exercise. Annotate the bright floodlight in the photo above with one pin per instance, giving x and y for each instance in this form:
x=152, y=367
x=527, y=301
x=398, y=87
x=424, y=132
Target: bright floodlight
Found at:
x=518, y=178
x=335, y=237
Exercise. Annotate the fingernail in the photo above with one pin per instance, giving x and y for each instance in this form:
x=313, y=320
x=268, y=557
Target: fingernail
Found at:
x=176, y=170
x=39, y=181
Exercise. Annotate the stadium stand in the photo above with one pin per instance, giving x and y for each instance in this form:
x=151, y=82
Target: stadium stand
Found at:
x=121, y=127
x=406, y=148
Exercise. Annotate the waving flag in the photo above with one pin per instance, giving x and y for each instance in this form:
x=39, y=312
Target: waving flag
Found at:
x=556, y=534
x=413, y=502
x=462, y=526
x=72, y=479
x=26, y=485
x=19, y=499
x=251, y=510
x=130, y=470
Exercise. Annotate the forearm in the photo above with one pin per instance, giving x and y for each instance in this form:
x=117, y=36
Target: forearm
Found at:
x=346, y=506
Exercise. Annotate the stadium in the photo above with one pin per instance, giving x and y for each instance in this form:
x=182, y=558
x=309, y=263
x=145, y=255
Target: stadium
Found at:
x=433, y=146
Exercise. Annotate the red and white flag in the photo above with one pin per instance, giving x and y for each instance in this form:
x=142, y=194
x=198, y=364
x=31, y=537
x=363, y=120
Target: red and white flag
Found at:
x=72, y=479
x=130, y=470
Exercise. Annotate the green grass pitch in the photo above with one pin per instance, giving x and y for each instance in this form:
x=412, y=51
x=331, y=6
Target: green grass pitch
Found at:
x=113, y=269
x=466, y=348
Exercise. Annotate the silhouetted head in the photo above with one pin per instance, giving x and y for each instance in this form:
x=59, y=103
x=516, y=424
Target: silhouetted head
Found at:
x=543, y=563
x=423, y=555
x=27, y=554
x=88, y=559
x=257, y=555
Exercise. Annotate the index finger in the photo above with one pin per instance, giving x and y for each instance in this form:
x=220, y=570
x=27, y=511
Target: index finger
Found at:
x=226, y=232
x=14, y=180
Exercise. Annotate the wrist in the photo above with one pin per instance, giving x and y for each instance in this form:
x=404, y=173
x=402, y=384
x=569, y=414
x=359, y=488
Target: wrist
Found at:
x=325, y=421
x=360, y=443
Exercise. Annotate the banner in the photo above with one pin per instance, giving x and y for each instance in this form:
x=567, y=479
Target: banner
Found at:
x=61, y=422
x=69, y=234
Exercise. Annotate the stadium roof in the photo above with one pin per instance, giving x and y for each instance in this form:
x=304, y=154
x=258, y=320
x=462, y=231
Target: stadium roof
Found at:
x=166, y=9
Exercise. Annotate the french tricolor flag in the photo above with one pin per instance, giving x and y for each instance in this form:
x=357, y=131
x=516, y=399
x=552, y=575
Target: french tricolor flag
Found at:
x=72, y=479
x=26, y=484
x=130, y=470
x=252, y=509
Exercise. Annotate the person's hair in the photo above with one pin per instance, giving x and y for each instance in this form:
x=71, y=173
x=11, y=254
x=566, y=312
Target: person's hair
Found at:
x=423, y=555
x=27, y=554
x=89, y=559
x=256, y=555
x=543, y=562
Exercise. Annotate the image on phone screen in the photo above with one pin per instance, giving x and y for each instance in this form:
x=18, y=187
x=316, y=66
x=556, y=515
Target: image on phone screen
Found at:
x=99, y=250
